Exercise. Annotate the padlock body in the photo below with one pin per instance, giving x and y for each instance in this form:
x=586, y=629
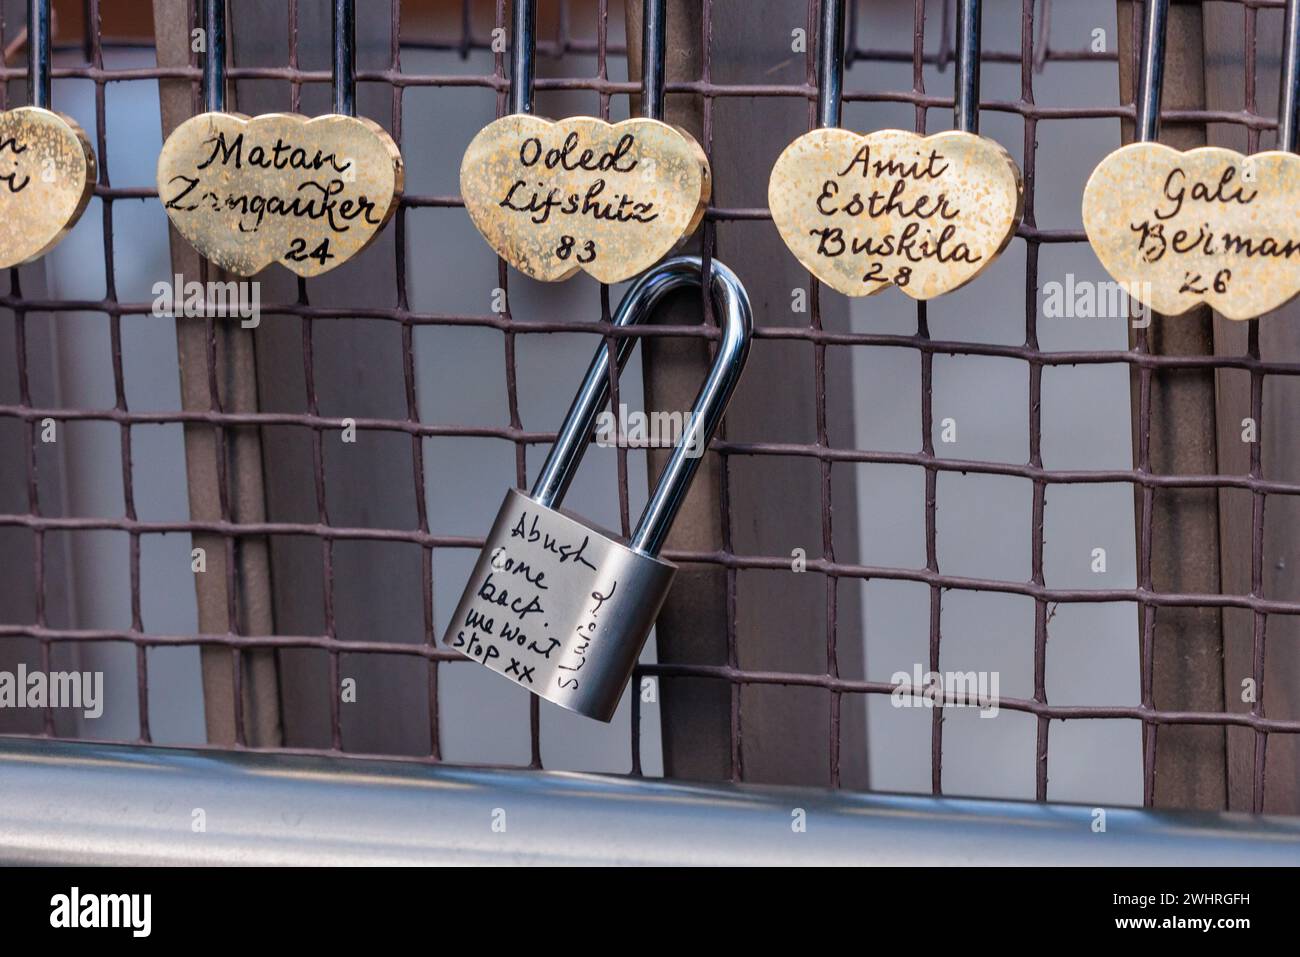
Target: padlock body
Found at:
x=558, y=606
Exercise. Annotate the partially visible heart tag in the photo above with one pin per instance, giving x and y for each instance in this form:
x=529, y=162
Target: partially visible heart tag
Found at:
x=47, y=174
x=1205, y=226
x=610, y=199
x=925, y=214
x=307, y=193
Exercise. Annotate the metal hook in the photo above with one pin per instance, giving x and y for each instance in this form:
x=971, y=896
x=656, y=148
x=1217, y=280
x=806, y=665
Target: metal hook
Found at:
x=523, y=56
x=653, y=47
x=345, y=56
x=38, y=52
x=214, y=60
x=637, y=304
x=830, y=63
x=1288, y=117
x=966, y=95
x=1151, y=70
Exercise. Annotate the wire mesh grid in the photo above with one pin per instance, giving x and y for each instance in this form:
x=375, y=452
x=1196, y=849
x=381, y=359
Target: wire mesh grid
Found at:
x=1033, y=54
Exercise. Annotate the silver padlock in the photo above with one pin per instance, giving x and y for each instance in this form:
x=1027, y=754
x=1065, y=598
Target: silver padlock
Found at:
x=556, y=604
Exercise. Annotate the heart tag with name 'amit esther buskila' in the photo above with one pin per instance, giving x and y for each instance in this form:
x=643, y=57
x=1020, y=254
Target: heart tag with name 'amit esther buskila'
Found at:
x=47, y=174
x=925, y=214
x=610, y=199
x=1177, y=229
x=307, y=193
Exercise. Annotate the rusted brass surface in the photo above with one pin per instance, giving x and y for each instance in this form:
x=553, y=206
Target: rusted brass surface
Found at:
x=307, y=193
x=47, y=173
x=611, y=199
x=925, y=214
x=1204, y=226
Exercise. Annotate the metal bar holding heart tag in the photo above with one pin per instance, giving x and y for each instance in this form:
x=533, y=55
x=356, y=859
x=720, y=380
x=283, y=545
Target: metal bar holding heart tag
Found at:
x=581, y=194
x=830, y=65
x=38, y=52
x=1288, y=112
x=891, y=208
x=307, y=193
x=48, y=165
x=1205, y=226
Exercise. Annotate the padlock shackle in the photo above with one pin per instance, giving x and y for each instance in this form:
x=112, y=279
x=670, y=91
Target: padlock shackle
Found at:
x=1288, y=114
x=966, y=90
x=214, y=59
x=654, y=42
x=523, y=56
x=732, y=303
x=344, y=28
x=830, y=63
x=1151, y=71
x=38, y=52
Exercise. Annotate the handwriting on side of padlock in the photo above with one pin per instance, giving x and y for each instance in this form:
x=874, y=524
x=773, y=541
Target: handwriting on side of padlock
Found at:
x=47, y=174
x=558, y=606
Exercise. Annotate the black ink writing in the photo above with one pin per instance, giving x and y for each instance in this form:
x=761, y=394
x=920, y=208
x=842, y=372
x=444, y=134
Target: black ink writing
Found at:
x=541, y=202
x=10, y=180
x=531, y=152
x=280, y=155
x=526, y=529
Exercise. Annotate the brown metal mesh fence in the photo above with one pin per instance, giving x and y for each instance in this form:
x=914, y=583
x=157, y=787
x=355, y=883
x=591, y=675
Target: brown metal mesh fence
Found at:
x=1033, y=54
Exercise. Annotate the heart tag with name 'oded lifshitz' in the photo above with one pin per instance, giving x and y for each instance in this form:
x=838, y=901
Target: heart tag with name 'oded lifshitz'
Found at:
x=925, y=214
x=307, y=193
x=47, y=173
x=610, y=199
x=1209, y=225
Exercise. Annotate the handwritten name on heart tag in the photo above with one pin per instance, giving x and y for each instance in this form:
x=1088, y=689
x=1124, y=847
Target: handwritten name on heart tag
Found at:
x=47, y=173
x=307, y=193
x=925, y=214
x=1206, y=226
x=610, y=199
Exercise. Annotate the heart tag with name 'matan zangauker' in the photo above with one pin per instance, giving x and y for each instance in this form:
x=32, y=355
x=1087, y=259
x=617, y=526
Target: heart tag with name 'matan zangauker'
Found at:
x=307, y=193
x=1205, y=226
x=610, y=199
x=925, y=214
x=47, y=173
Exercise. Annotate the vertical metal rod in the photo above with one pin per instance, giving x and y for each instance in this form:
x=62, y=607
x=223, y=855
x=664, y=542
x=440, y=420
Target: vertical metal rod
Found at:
x=214, y=61
x=653, y=33
x=345, y=55
x=830, y=63
x=1288, y=116
x=38, y=52
x=1151, y=70
x=523, y=47
x=966, y=96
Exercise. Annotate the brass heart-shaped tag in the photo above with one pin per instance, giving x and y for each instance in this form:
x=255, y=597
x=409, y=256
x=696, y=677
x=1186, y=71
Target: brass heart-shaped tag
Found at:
x=47, y=173
x=308, y=193
x=925, y=214
x=610, y=199
x=1209, y=225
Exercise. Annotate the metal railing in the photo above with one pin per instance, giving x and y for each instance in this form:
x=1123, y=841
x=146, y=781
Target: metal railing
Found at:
x=69, y=803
